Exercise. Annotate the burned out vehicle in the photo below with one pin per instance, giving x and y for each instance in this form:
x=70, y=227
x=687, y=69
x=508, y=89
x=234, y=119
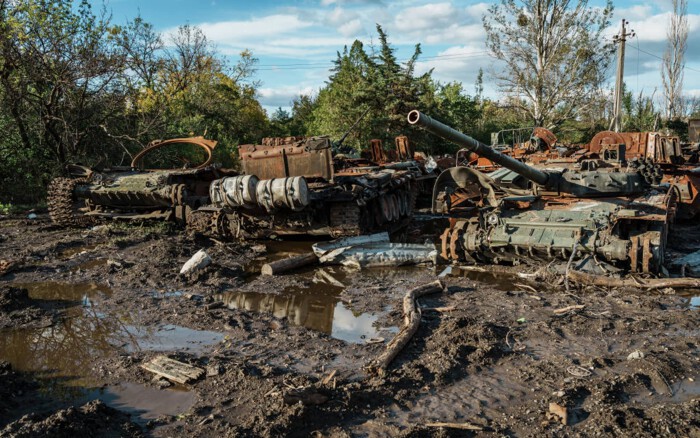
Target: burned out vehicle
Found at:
x=521, y=213
x=298, y=186
x=133, y=192
x=289, y=186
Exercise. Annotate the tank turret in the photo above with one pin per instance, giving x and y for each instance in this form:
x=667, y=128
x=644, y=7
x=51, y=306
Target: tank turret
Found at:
x=608, y=182
x=616, y=213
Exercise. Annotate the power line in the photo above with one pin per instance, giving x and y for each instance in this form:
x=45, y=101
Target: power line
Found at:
x=320, y=65
x=658, y=57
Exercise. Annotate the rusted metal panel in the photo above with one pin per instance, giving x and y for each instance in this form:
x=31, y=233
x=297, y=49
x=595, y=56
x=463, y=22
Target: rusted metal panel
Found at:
x=659, y=147
x=694, y=130
x=282, y=158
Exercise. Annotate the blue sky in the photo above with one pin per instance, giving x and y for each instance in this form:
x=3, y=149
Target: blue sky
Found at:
x=296, y=41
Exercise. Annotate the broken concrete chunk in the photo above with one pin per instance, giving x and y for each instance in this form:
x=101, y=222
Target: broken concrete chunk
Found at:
x=161, y=382
x=635, y=355
x=558, y=412
x=198, y=261
x=214, y=370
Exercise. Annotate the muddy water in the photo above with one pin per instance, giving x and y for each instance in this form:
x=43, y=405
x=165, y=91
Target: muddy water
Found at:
x=75, y=250
x=84, y=293
x=65, y=355
x=276, y=250
x=497, y=280
x=317, y=307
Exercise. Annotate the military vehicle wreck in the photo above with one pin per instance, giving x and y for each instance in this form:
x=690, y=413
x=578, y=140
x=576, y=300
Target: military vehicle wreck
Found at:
x=133, y=192
x=521, y=213
x=298, y=186
x=288, y=186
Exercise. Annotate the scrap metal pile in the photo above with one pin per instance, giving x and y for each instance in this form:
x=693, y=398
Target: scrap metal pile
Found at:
x=607, y=205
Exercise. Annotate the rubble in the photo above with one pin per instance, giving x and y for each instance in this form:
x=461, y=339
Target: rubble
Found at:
x=199, y=260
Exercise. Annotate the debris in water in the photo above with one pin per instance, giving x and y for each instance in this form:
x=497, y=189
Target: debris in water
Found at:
x=173, y=370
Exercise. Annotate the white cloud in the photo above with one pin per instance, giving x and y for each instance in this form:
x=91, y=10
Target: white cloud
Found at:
x=228, y=31
x=283, y=96
x=461, y=63
x=351, y=28
x=652, y=28
x=636, y=12
x=426, y=17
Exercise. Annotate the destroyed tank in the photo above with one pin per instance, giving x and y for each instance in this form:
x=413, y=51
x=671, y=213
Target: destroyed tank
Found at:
x=297, y=186
x=134, y=192
x=289, y=186
x=521, y=213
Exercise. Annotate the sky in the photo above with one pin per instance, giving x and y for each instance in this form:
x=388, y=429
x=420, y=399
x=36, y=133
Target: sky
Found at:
x=297, y=41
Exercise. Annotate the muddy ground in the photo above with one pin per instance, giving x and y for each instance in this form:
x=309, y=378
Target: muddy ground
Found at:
x=82, y=309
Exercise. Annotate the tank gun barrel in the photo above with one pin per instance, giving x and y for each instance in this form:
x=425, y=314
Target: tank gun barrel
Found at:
x=417, y=118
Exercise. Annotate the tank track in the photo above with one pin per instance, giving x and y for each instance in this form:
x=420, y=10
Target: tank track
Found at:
x=350, y=219
x=61, y=202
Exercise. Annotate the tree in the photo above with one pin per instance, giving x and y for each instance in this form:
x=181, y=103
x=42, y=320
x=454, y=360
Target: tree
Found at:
x=554, y=53
x=302, y=114
x=373, y=83
x=59, y=72
x=674, y=58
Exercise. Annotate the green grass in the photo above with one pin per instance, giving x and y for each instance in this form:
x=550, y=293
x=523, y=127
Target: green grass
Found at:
x=9, y=208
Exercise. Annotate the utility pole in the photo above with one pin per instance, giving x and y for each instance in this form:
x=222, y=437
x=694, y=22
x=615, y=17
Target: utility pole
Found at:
x=620, y=40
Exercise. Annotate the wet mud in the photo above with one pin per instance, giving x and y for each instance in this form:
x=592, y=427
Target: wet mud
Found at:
x=285, y=355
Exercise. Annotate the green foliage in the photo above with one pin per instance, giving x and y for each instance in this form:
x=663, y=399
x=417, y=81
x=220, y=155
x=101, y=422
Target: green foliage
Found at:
x=554, y=55
x=74, y=88
x=372, y=82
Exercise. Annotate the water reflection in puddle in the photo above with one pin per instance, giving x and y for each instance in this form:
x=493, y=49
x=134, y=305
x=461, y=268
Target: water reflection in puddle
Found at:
x=276, y=250
x=64, y=355
x=144, y=402
x=169, y=338
x=75, y=292
x=317, y=306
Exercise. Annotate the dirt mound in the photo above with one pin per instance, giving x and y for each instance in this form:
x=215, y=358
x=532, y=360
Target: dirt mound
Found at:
x=18, y=310
x=94, y=419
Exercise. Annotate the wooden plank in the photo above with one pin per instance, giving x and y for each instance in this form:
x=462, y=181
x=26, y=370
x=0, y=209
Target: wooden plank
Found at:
x=280, y=266
x=173, y=370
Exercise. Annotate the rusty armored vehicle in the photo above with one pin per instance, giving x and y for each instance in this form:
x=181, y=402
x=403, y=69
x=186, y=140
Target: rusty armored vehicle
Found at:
x=134, y=192
x=299, y=186
x=288, y=186
x=522, y=213
x=652, y=153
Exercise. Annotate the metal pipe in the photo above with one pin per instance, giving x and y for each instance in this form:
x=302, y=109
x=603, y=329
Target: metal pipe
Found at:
x=417, y=118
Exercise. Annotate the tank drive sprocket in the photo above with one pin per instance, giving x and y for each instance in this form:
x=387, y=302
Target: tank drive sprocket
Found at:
x=63, y=204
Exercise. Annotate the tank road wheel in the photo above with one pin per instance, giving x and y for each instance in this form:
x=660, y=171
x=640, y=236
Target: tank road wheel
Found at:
x=395, y=211
x=64, y=206
x=402, y=197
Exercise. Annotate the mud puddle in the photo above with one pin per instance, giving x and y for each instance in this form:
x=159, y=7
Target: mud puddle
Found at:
x=317, y=306
x=143, y=402
x=66, y=356
x=90, y=264
x=75, y=250
x=275, y=250
x=85, y=293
